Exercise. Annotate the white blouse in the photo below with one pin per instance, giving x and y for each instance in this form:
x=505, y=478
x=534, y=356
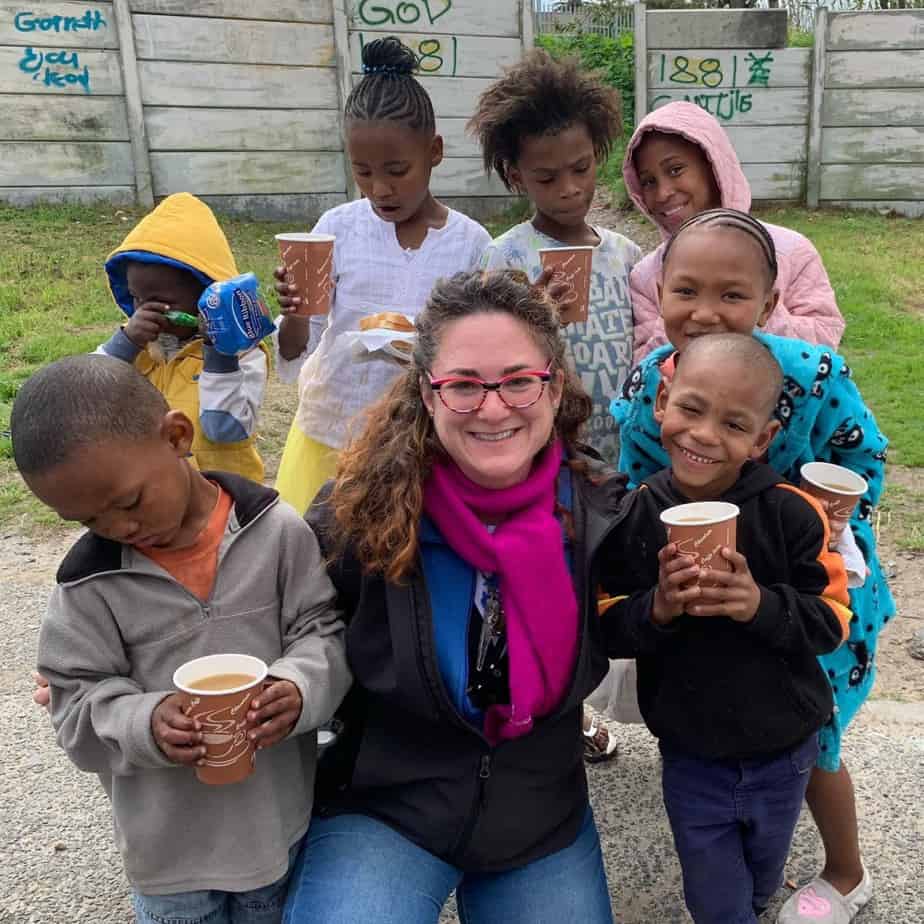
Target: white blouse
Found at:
x=372, y=273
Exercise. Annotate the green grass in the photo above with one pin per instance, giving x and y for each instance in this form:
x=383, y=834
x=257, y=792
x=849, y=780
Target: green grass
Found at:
x=799, y=39
x=876, y=265
x=610, y=174
x=518, y=212
x=54, y=301
x=902, y=516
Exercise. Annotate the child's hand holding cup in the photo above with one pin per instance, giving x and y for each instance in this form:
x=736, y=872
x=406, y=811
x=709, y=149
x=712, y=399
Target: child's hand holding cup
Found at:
x=837, y=489
x=569, y=284
x=306, y=277
x=700, y=531
x=216, y=693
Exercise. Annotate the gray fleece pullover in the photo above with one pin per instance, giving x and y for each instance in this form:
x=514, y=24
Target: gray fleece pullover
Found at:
x=118, y=626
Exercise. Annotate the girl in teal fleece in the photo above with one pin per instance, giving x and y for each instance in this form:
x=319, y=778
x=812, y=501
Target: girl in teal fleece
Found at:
x=823, y=418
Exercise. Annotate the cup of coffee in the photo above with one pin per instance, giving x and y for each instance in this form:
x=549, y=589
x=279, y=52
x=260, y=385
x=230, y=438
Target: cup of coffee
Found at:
x=217, y=691
x=309, y=263
x=839, y=490
x=701, y=530
x=571, y=266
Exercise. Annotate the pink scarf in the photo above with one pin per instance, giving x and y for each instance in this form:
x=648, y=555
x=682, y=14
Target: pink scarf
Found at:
x=527, y=554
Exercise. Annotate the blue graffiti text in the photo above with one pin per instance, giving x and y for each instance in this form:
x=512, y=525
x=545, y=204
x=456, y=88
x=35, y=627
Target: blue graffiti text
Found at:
x=56, y=69
x=27, y=21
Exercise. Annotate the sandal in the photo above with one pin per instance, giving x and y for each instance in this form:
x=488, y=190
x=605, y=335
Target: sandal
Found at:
x=820, y=903
x=599, y=745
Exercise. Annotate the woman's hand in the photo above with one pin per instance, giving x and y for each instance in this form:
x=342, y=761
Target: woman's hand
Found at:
x=728, y=593
x=677, y=577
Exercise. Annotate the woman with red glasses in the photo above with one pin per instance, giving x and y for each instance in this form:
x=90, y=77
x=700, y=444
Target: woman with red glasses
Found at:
x=463, y=529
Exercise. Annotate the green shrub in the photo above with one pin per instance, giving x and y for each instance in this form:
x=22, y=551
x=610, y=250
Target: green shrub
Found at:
x=614, y=58
x=799, y=39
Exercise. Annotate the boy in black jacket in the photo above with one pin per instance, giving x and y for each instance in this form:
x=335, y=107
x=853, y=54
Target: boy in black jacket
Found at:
x=729, y=682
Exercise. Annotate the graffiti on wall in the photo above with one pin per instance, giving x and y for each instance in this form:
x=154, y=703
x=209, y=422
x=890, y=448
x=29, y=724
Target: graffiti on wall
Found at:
x=27, y=21
x=725, y=87
x=57, y=68
x=436, y=54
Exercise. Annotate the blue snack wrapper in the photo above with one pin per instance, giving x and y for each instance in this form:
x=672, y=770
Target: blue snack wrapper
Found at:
x=236, y=319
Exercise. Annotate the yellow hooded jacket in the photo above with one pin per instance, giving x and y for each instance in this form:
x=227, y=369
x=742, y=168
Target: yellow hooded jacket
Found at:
x=183, y=232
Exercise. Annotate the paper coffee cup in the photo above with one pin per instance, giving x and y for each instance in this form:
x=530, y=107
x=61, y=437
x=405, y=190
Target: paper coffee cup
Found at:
x=222, y=713
x=702, y=530
x=571, y=265
x=309, y=263
x=838, y=488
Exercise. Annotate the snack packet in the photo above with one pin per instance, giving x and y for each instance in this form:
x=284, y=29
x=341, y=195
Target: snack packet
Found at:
x=235, y=317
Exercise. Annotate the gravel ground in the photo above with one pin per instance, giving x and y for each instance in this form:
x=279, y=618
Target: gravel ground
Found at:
x=61, y=866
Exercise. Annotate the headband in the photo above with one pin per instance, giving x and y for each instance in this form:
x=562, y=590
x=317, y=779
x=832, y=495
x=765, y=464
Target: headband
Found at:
x=731, y=218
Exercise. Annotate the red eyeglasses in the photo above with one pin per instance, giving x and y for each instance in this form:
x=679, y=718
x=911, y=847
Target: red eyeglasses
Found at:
x=466, y=394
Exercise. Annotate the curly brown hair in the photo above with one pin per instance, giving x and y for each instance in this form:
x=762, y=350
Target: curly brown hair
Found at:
x=543, y=96
x=377, y=499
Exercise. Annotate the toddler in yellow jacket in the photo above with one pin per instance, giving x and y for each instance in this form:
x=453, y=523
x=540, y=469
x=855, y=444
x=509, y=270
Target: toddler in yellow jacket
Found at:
x=163, y=265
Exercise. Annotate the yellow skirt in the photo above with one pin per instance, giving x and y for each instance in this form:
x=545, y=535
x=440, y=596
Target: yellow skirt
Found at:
x=305, y=466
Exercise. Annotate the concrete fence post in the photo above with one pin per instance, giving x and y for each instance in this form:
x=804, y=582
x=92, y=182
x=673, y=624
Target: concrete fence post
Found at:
x=141, y=159
x=344, y=61
x=816, y=110
x=641, y=62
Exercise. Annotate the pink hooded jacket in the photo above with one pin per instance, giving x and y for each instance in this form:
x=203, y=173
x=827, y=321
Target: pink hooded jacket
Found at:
x=807, y=308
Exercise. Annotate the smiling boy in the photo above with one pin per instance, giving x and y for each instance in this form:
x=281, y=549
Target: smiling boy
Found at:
x=732, y=686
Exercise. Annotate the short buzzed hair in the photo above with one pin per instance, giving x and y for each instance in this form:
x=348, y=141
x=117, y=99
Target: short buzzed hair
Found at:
x=747, y=350
x=78, y=401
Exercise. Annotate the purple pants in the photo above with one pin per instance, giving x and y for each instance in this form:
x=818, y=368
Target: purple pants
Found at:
x=733, y=822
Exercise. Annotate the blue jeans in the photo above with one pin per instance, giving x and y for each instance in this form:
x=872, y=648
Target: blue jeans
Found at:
x=258, y=906
x=354, y=869
x=733, y=823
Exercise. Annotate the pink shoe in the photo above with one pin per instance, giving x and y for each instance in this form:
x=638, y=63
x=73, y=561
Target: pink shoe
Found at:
x=820, y=903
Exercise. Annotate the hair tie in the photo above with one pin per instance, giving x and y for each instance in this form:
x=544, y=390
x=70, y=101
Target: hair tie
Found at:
x=382, y=69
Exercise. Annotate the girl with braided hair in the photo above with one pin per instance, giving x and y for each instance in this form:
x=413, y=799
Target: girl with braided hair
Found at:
x=390, y=248
x=720, y=275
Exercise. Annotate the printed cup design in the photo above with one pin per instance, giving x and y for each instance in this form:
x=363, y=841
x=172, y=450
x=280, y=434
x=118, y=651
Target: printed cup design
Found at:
x=839, y=490
x=309, y=263
x=702, y=530
x=229, y=753
x=570, y=265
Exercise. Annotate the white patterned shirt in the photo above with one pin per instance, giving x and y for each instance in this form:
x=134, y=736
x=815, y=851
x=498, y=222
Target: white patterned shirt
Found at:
x=601, y=346
x=372, y=273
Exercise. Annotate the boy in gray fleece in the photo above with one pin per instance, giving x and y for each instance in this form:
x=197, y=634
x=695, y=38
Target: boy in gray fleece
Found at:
x=176, y=564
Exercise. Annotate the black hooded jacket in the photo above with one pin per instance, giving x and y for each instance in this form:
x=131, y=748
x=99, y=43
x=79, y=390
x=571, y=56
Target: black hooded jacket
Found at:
x=409, y=759
x=713, y=687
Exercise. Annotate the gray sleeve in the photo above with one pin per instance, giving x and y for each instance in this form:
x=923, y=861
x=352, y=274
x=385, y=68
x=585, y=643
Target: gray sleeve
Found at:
x=314, y=650
x=102, y=716
x=119, y=346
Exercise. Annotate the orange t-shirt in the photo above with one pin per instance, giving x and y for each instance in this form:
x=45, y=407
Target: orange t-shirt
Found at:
x=195, y=566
